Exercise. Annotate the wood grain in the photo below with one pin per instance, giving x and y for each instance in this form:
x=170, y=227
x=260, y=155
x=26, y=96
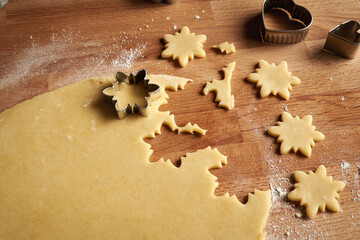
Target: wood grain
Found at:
x=47, y=44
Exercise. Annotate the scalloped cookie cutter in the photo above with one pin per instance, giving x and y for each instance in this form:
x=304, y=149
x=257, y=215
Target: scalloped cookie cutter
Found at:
x=153, y=92
x=285, y=36
x=344, y=39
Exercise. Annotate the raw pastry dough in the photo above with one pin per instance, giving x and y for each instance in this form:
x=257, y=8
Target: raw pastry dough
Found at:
x=184, y=46
x=296, y=134
x=273, y=79
x=226, y=47
x=315, y=191
x=222, y=88
x=129, y=94
x=69, y=169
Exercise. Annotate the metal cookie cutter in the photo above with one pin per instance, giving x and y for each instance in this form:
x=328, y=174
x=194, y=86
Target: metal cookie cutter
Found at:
x=3, y=2
x=285, y=36
x=344, y=39
x=138, y=80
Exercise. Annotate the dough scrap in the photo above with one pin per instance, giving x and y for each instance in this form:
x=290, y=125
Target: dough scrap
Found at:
x=226, y=47
x=296, y=134
x=222, y=88
x=273, y=79
x=69, y=169
x=183, y=46
x=316, y=191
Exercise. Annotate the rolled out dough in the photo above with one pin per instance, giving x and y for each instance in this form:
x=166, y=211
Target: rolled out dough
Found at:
x=69, y=169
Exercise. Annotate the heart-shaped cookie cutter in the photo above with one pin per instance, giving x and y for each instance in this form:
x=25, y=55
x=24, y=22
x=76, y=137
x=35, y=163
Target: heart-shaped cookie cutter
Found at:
x=285, y=36
x=153, y=92
x=344, y=39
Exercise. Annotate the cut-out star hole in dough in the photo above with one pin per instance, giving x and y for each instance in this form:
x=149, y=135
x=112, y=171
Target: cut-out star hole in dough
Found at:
x=273, y=79
x=226, y=47
x=183, y=46
x=76, y=172
x=316, y=191
x=222, y=88
x=296, y=134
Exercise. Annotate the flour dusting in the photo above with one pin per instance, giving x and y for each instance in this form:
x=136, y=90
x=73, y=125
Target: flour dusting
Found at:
x=49, y=63
x=127, y=57
x=286, y=220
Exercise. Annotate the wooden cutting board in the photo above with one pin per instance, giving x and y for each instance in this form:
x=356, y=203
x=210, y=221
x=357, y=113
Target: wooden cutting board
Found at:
x=46, y=44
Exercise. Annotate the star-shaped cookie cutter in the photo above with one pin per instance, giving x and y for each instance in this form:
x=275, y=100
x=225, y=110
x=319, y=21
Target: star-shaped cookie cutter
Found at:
x=153, y=92
x=285, y=36
x=344, y=39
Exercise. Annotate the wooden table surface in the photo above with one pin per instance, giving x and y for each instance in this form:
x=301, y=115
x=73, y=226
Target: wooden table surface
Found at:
x=47, y=44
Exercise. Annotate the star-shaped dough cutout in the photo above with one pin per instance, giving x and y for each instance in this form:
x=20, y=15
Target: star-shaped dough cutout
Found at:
x=316, y=191
x=183, y=46
x=273, y=79
x=295, y=133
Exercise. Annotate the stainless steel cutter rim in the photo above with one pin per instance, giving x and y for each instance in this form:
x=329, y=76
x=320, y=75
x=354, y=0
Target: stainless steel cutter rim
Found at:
x=293, y=36
x=295, y=30
x=153, y=93
x=331, y=32
x=344, y=39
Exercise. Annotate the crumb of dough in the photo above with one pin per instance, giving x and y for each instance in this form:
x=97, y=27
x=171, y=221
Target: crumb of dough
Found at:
x=226, y=47
x=222, y=88
x=183, y=46
x=316, y=191
x=70, y=169
x=296, y=134
x=273, y=79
